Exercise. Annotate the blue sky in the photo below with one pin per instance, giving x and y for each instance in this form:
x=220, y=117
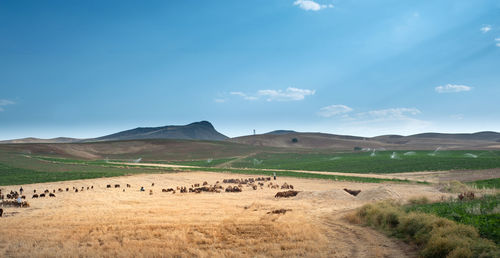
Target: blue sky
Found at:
x=90, y=68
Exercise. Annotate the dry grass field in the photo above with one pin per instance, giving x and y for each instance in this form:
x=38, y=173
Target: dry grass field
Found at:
x=125, y=222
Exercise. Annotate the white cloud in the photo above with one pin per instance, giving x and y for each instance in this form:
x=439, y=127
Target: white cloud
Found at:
x=392, y=113
x=310, y=5
x=287, y=95
x=497, y=40
x=219, y=100
x=449, y=88
x=5, y=102
x=485, y=28
x=243, y=95
x=290, y=94
x=334, y=110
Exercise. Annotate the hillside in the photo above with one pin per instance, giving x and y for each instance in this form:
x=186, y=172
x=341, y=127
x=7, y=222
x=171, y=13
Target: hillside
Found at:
x=38, y=140
x=203, y=130
x=481, y=140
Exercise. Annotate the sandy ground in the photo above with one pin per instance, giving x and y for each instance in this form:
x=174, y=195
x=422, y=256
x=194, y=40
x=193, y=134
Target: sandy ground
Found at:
x=110, y=222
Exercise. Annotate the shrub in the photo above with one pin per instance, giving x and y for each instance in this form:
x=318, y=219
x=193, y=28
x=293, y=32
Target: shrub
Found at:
x=435, y=236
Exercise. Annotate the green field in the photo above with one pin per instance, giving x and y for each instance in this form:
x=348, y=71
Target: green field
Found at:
x=483, y=214
x=488, y=183
x=363, y=162
x=21, y=169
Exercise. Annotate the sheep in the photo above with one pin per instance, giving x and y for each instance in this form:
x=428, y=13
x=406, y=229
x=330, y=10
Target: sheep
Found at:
x=107, y=186
x=128, y=186
x=60, y=190
x=42, y=195
x=286, y=194
x=34, y=196
x=67, y=189
x=117, y=186
x=1, y=212
x=352, y=192
x=52, y=195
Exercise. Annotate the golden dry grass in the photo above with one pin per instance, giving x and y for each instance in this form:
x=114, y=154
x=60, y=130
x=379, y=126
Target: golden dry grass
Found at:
x=112, y=223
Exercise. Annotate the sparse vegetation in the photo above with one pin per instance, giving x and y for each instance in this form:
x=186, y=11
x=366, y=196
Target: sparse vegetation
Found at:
x=488, y=183
x=434, y=235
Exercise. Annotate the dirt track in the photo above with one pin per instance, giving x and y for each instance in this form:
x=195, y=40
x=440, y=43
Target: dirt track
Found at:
x=102, y=222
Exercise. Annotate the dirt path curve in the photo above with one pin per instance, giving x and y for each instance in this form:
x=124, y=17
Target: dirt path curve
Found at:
x=350, y=240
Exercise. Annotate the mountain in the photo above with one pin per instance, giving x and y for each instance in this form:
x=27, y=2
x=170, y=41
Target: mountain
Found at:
x=203, y=130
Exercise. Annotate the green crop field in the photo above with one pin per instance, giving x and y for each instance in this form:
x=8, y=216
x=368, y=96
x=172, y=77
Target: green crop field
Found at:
x=380, y=162
x=22, y=169
x=19, y=169
x=482, y=214
x=488, y=183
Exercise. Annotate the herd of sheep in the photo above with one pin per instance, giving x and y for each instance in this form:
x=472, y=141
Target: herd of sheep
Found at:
x=15, y=198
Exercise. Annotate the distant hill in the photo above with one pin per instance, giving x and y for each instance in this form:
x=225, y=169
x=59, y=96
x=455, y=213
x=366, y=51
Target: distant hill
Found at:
x=280, y=132
x=203, y=130
x=480, y=140
x=37, y=140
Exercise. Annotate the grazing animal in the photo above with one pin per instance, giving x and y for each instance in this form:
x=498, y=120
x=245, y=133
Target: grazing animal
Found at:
x=76, y=190
x=153, y=184
x=108, y=186
x=163, y=190
x=352, y=192
x=42, y=195
x=52, y=195
x=34, y=196
x=205, y=183
x=67, y=189
x=88, y=188
x=150, y=192
x=286, y=194
x=60, y=190
x=23, y=197
x=91, y=187
x=34, y=191
x=128, y=186
x=54, y=190
x=46, y=191
x=1, y=212
x=279, y=211
x=117, y=186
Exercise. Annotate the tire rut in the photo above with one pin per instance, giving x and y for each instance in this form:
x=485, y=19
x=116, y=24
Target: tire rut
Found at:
x=349, y=240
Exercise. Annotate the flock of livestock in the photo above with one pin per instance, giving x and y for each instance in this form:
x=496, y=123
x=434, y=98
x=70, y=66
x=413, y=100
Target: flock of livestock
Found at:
x=17, y=199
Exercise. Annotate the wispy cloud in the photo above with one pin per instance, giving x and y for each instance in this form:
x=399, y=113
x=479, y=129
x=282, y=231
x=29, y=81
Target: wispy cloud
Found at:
x=485, y=28
x=497, y=40
x=310, y=5
x=452, y=88
x=219, y=100
x=290, y=94
x=286, y=95
x=243, y=95
x=391, y=113
x=5, y=102
x=334, y=110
